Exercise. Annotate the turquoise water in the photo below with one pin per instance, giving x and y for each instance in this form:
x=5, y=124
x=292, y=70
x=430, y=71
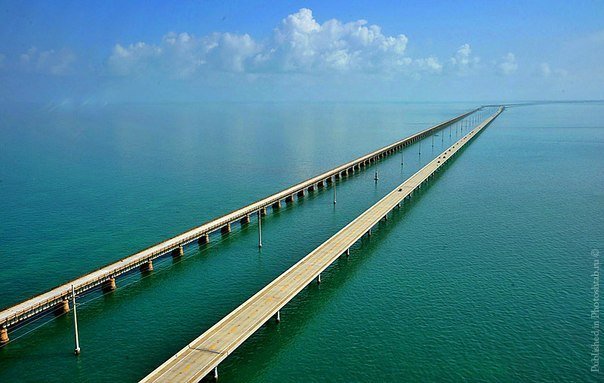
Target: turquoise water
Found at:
x=484, y=277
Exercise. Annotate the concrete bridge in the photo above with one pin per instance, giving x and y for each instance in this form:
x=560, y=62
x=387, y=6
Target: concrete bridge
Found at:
x=201, y=357
x=57, y=299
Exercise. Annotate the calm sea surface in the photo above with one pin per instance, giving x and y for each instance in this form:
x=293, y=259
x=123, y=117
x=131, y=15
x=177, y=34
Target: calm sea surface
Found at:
x=485, y=276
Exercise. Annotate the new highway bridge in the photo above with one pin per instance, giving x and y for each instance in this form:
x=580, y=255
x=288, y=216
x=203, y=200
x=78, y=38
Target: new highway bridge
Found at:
x=201, y=357
x=57, y=299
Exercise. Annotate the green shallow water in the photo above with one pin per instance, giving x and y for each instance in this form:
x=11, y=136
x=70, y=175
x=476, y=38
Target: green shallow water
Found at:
x=484, y=277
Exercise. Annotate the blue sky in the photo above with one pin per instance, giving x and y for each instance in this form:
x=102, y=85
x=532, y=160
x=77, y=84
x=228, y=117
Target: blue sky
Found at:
x=157, y=51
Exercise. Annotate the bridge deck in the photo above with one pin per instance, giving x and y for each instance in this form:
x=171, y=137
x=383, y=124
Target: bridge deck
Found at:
x=45, y=301
x=202, y=355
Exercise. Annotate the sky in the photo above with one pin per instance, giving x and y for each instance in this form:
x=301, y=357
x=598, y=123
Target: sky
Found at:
x=81, y=52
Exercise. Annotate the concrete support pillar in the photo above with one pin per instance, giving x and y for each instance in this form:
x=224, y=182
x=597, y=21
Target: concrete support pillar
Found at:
x=147, y=266
x=320, y=184
x=245, y=220
x=289, y=199
x=311, y=188
x=319, y=279
x=109, y=285
x=62, y=307
x=215, y=373
x=263, y=211
x=204, y=239
x=278, y=316
x=369, y=233
x=276, y=205
x=337, y=176
x=328, y=180
x=178, y=252
x=301, y=193
x=3, y=336
x=226, y=228
x=347, y=252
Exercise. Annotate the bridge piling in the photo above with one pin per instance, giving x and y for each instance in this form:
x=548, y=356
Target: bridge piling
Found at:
x=62, y=307
x=146, y=267
x=4, y=339
x=245, y=220
x=178, y=252
x=226, y=229
x=204, y=239
x=109, y=285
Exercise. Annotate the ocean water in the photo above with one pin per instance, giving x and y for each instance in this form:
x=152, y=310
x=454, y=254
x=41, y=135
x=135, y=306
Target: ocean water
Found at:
x=485, y=276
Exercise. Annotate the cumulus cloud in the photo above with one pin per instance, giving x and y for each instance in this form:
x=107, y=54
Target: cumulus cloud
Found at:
x=463, y=61
x=49, y=62
x=508, y=64
x=299, y=44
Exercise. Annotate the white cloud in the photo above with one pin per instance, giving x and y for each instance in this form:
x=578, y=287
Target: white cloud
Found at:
x=464, y=62
x=299, y=44
x=49, y=62
x=508, y=64
x=181, y=55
